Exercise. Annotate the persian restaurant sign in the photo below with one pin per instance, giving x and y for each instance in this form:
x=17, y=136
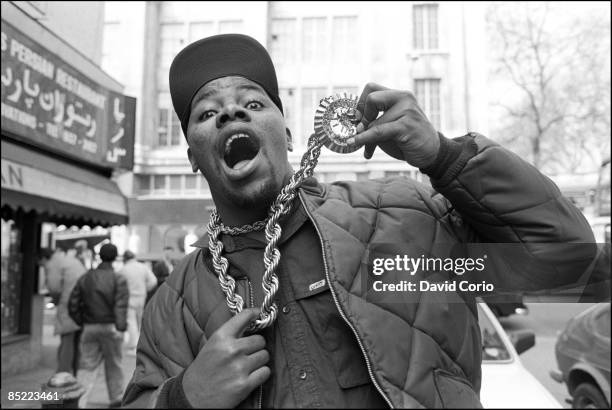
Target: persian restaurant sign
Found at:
x=50, y=104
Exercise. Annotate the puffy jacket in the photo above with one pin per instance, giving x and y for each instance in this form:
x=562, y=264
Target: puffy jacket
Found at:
x=100, y=296
x=423, y=353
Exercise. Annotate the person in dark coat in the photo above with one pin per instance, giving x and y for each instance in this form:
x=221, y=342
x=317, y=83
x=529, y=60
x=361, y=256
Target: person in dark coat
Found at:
x=99, y=302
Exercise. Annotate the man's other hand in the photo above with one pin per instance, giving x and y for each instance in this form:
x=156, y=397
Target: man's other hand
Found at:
x=402, y=131
x=229, y=367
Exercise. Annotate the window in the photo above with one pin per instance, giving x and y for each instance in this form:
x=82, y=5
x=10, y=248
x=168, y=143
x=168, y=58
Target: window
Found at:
x=191, y=183
x=169, y=128
x=142, y=184
x=282, y=40
x=159, y=184
x=427, y=92
x=171, y=41
x=230, y=26
x=344, y=40
x=311, y=97
x=425, y=26
x=175, y=184
x=200, y=30
x=162, y=128
x=314, y=39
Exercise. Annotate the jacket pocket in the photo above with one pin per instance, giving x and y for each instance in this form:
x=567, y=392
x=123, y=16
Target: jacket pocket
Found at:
x=454, y=391
x=334, y=335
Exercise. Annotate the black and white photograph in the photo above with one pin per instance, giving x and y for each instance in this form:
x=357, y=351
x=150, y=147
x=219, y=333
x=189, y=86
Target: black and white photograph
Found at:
x=305, y=204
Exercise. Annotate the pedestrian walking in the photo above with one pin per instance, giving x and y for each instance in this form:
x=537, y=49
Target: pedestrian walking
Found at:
x=62, y=271
x=83, y=253
x=140, y=280
x=162, y=268
x=99, y=301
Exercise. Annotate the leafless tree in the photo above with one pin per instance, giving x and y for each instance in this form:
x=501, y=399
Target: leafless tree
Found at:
x=559, y=66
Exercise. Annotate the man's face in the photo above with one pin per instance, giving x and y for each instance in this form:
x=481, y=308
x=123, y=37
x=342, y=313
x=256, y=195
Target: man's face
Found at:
x=237, y=138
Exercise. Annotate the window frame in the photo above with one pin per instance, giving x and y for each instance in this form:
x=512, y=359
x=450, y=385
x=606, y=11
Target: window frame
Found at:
x=425, y=12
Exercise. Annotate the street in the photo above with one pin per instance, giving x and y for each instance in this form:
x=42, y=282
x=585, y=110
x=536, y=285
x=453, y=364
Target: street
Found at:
x=546, y=320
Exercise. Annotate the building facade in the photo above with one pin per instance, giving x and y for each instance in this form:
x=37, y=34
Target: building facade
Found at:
x=434, y=49
x=67, y=129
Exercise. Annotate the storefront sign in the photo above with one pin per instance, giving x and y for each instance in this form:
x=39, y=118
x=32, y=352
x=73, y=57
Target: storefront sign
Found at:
x=50, y=104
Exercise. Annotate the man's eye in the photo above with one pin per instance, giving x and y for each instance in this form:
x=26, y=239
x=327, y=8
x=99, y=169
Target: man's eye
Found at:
x=254, y=105
x=207, y=114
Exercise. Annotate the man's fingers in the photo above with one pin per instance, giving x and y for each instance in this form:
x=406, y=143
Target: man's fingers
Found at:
x=367, y=90
x=251, y=344
x=379, y=101
x=256, y=360
x=378, y=133
x=259, y=376
x=238, y=324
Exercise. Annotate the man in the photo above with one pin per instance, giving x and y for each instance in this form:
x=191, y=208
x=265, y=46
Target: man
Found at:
x=329, y=346
x=61, y=274
x=83, y=253
x=162, y=269
x=140, y=280
x=99, y=301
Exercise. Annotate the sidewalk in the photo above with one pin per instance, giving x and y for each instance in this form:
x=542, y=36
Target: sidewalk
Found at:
x=32, y=379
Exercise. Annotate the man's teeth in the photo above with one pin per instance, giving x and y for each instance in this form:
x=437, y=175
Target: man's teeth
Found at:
x=228, y=143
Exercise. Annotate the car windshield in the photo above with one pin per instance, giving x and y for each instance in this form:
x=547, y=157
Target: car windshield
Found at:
x=493, y=348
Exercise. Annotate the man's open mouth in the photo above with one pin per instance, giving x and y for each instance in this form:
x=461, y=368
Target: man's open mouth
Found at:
x=239, y=150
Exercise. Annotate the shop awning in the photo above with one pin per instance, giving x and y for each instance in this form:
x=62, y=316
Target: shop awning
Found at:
x=64, y=193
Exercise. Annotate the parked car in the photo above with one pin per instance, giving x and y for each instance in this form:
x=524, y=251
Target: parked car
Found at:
x=506, y=383
x=583, y=358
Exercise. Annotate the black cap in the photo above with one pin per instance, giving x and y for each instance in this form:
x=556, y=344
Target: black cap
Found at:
x=215, y=57
x=108, y=252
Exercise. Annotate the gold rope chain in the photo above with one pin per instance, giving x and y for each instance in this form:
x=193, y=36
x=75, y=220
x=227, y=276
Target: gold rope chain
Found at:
x=280, y=207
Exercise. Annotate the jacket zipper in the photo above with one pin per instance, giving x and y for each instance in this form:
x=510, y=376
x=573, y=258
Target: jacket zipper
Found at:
x=342, y=314
x=252, y=304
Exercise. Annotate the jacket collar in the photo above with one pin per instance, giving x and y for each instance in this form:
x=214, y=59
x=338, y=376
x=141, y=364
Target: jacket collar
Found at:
x=105, y=265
